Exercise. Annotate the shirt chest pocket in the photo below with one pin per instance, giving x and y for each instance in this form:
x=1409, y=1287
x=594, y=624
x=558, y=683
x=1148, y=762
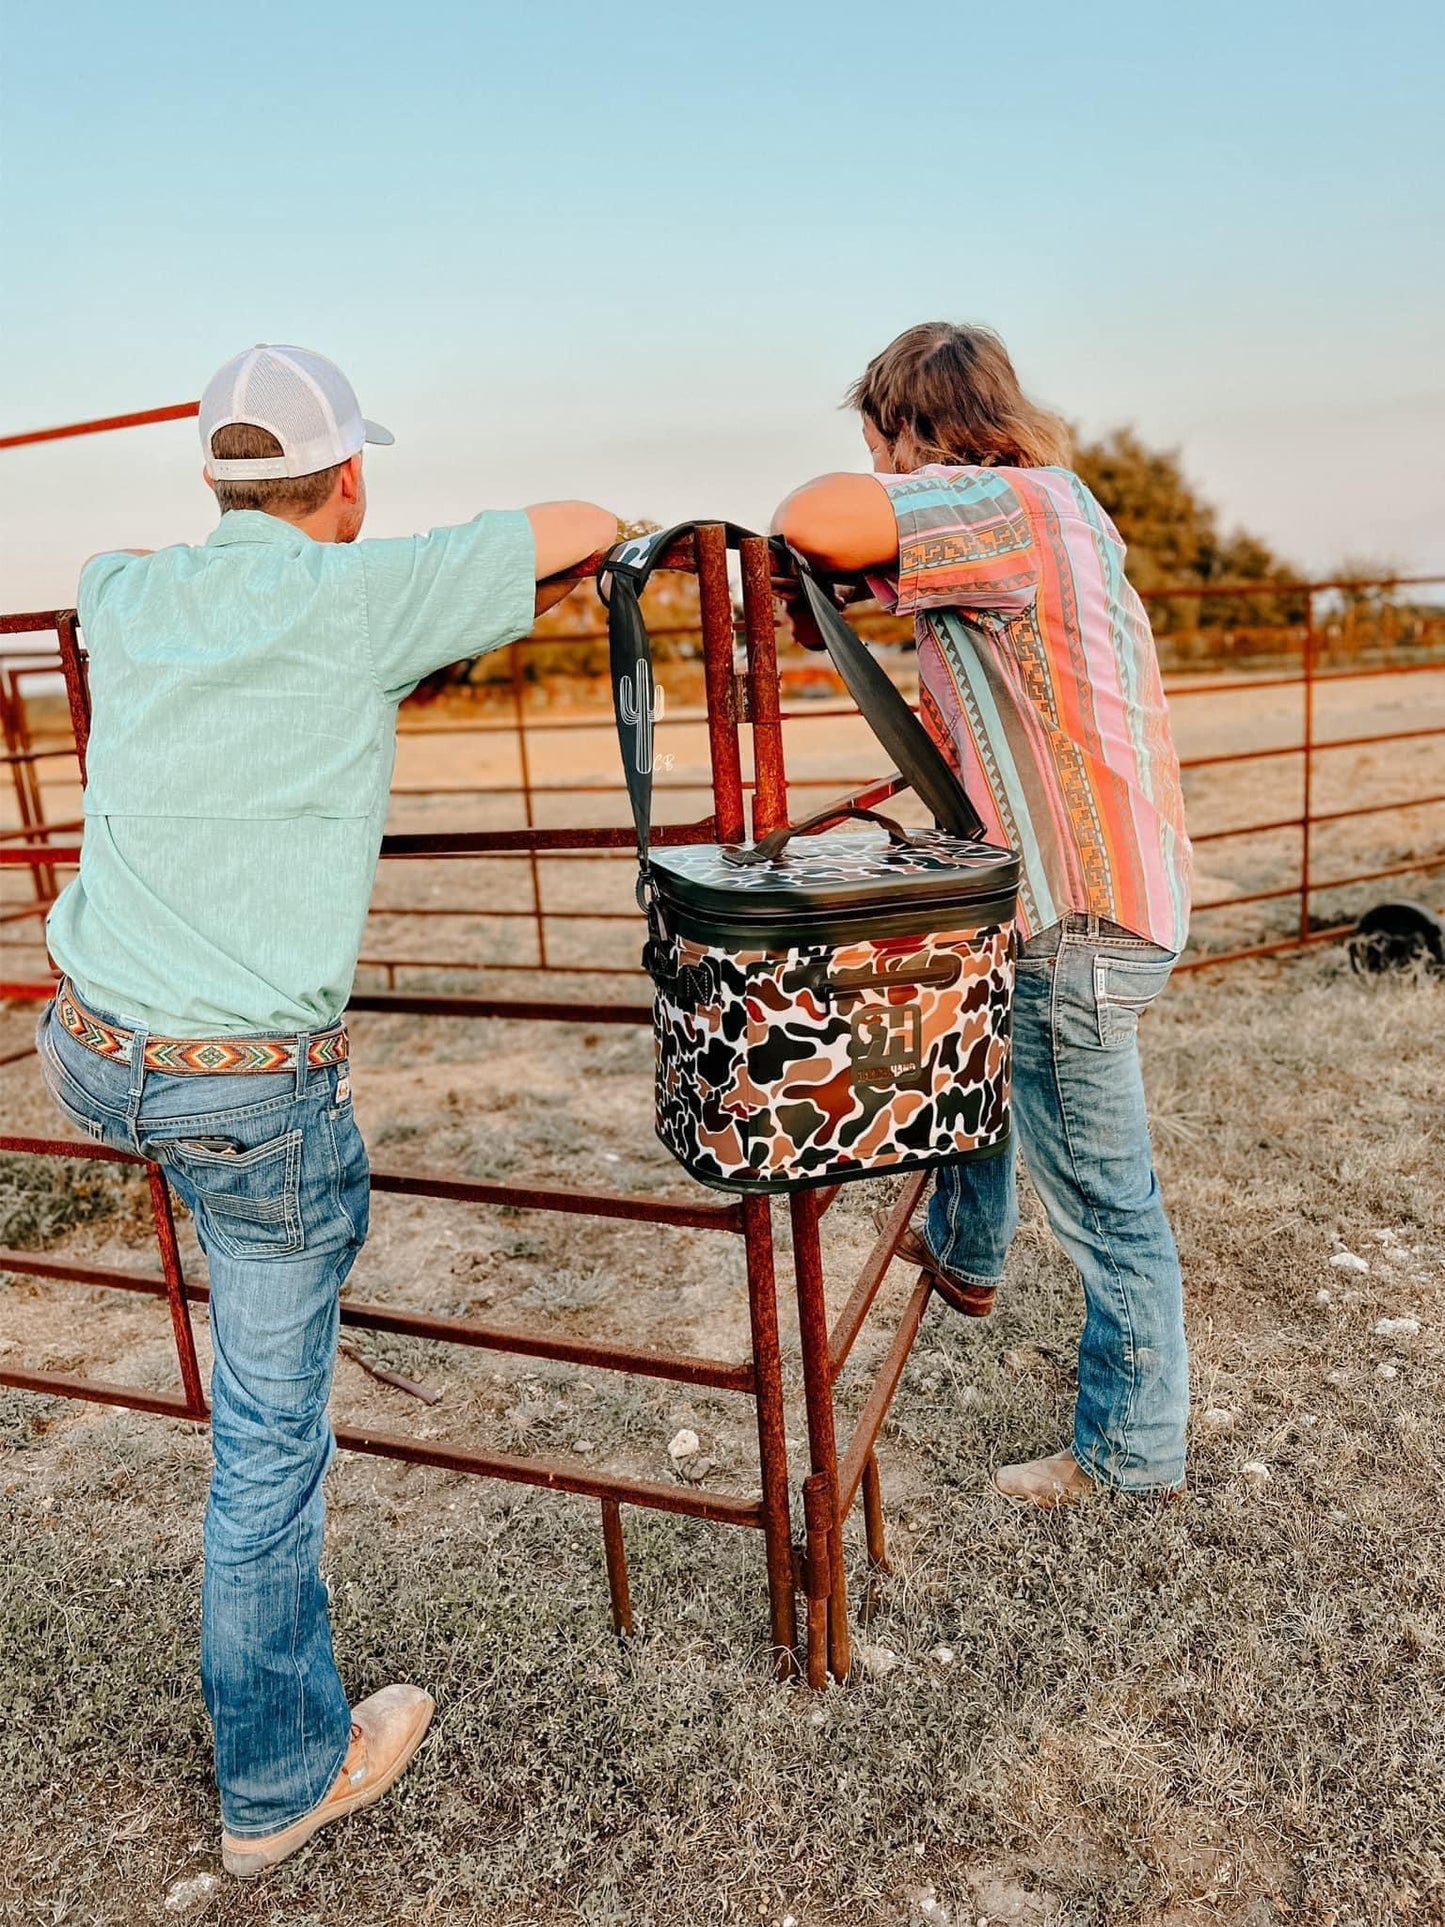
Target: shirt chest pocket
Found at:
x=245, y=1203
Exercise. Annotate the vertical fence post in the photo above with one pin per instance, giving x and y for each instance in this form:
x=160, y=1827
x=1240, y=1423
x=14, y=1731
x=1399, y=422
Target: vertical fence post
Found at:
x=770, y=810
x=170, y=1256
x=873, y=1515
x=524, y=768
x=619, y=1590
x=18, y=745
x=1307, y=819
x=818, y=1399
x=770, y=791
x=817, y=1575
x=77, y=684
x=772, y=1429
x=715, y=616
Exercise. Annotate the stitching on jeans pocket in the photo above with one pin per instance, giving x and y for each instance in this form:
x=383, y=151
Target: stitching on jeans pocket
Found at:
x=72, y=1099
x=249, y=1202
x=1119, y=1002
x=243, y=1115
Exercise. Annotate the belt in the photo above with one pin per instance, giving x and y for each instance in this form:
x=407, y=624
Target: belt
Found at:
x=198, y=1056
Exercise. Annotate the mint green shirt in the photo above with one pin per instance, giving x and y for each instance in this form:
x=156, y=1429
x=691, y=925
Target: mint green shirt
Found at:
x=245, y=697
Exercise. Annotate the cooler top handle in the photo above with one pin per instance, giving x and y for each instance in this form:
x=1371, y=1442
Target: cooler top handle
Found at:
x=769, y=848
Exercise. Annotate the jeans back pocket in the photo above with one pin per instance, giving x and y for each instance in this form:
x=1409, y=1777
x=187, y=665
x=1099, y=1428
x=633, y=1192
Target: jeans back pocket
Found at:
x=248, y=1203
x=1124, y=988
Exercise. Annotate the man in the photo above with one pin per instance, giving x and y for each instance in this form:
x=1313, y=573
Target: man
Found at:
x=1039, y=676
x=245, y=696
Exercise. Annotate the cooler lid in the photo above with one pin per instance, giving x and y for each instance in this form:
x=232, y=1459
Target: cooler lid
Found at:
x=840, y=870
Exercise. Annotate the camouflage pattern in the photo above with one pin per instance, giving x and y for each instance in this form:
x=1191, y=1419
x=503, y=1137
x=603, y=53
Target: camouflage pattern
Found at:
x=826, y=1062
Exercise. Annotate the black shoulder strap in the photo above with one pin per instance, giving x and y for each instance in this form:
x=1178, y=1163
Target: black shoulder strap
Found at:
x=621, y=580
x=636, y=699
x=921, y=763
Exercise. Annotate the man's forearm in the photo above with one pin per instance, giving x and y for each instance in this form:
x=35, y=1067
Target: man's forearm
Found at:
x=554, y=590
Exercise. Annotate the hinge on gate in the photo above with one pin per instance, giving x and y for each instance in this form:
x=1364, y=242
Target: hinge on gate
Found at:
x=742, y=697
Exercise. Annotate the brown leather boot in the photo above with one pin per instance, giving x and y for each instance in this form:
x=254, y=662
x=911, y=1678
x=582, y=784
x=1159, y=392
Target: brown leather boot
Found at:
x=386, y=1731
x=974, y=1301
x=1047, y=1483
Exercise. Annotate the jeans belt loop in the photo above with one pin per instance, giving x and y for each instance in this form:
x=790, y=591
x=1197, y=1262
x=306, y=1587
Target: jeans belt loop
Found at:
x=140, y=1037
x=303, y=1061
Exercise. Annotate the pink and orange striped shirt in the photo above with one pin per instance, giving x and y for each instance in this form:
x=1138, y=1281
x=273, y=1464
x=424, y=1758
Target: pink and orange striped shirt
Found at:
x=1048, y=695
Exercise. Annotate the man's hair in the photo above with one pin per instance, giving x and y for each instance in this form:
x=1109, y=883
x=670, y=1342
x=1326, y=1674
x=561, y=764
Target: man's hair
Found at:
x=949, y=394
x=291, y=496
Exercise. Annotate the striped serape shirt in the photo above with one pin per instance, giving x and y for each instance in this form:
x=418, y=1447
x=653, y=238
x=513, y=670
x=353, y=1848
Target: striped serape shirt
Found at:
x=1047, y=697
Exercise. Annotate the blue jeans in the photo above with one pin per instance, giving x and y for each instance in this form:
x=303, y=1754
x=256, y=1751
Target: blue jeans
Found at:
x=274, y=1172
x=1080, y=1121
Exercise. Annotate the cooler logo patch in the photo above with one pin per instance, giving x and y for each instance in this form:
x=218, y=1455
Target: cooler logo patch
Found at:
x=886, y=1044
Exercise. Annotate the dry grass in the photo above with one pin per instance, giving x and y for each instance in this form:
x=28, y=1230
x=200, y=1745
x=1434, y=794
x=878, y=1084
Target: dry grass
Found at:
x=1227, y=1710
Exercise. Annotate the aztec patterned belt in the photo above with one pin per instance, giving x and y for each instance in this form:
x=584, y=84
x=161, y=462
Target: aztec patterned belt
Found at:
x=199, y=1056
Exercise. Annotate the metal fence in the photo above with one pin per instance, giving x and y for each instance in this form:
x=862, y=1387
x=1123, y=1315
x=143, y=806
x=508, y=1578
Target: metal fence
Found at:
x=1313, y=891
x=750, y=749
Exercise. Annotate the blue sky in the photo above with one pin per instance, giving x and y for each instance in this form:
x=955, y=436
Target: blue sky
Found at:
x=637, y=252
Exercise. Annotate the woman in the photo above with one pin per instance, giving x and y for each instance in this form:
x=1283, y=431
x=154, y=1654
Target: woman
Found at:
x=1039, y=676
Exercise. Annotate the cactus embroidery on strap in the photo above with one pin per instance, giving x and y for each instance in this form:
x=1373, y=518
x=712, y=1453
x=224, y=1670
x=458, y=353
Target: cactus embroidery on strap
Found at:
x=641, y=702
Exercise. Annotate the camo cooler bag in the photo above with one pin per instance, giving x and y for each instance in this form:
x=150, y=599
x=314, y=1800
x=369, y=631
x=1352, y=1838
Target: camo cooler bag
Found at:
x=829, y=1003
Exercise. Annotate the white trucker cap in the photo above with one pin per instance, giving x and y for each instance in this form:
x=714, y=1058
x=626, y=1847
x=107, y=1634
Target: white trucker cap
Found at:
x=302, y=398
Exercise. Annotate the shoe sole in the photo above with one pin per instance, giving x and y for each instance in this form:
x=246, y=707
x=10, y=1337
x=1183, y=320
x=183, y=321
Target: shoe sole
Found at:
x=973, y=1301
x=1070, y=1495
x=1047, y=1500
x=263, y=1856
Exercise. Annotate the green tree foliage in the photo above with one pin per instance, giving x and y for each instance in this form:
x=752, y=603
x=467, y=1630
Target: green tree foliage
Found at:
x=1174, y=541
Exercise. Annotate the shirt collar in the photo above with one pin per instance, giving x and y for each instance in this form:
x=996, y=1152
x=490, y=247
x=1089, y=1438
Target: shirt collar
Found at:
x=253, y=525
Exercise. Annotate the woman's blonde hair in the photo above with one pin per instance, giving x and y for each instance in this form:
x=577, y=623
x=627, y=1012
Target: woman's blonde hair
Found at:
x=944, y=393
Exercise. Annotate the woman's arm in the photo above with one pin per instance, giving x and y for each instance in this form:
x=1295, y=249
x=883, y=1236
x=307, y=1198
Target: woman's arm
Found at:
x=844, y=523
x=949, y=538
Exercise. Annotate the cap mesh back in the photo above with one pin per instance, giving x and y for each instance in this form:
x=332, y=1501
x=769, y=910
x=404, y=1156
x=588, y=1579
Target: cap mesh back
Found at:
x=272, y=394
x=300, y=396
